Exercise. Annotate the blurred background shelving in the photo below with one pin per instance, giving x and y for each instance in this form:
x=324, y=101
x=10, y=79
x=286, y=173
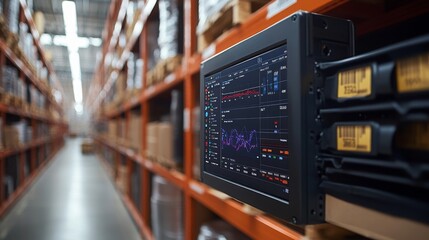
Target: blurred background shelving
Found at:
x=32, y=126
x=138, y=86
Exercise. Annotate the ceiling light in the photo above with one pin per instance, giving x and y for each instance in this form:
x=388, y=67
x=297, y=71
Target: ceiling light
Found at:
x=70, y=19
x=78, y=107
x=75, y=65
x=46, y=39
x=77, y=84
x=62, y=40
x=96, y=42
x=70, y=22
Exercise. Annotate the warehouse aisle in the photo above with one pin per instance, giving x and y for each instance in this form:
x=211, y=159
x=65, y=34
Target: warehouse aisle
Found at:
x=72, y=199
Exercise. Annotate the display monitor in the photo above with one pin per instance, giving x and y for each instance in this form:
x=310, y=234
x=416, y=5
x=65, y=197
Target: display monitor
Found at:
x=255, y=100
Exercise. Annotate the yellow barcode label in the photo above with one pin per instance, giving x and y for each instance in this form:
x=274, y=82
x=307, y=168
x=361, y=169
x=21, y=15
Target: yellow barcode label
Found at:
x=354, y=83
x=356, y=138
x=412, y=74
x=414, y=136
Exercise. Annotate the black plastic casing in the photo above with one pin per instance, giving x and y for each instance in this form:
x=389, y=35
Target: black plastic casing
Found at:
x=310, y=38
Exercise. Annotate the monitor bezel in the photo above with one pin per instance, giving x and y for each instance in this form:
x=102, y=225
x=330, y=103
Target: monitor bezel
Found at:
x=288, y=31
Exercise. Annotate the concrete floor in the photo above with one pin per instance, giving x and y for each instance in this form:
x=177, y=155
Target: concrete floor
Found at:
x=72, y=199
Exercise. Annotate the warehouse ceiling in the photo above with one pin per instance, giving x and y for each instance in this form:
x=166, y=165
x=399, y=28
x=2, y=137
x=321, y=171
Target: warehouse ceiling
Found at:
x=91, y=17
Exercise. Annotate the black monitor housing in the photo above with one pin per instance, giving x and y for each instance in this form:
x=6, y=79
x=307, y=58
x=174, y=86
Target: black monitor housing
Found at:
x=259, y=115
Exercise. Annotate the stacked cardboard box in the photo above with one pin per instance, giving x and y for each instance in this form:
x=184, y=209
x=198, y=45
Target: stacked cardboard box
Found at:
x=152, y=140
x=165, y=144
x=160, y=143
x=120, y=87
x=122, y=179
x=11, y=137
x=112, y=131
x=135, y=132
x=9, y=83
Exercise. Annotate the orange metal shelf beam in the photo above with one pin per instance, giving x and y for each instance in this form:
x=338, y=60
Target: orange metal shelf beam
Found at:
x=262, y=227
x=144, y=229
x=137, y=217
x=173, y=176
x=260, y=21
x=169, y=82
x=35, y=143
x=24, y=187
x=34, y=80
x=257, y=227
x=138, y=27
x=120, y=149
x=36, y=37
x=19, y=112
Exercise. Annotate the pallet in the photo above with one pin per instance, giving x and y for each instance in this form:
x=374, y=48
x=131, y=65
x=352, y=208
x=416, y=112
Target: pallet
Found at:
x=233, y=13
x=7, y=99
x=162, y=69
x=87, y=147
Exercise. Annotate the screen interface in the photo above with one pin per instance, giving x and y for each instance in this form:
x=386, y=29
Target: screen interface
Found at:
x=245, y=123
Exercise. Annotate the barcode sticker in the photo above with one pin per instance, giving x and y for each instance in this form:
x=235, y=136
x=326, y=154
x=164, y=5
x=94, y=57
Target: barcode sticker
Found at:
x=412, y=74
x=354, y=83
x=415, y=136
x=354, y=138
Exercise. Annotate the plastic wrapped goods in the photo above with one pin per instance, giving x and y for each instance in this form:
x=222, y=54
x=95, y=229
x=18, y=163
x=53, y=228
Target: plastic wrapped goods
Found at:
x=138, y=78
x=176, y=110
x=220, y=230
x=152, y=44
x=207, y=8
x=10, y=79
x=131, y=71
x=167, y=210
x=11, y=14
x=170, y=33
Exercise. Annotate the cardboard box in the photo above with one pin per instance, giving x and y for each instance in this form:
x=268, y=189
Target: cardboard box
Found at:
x=122, y=179
x=151, y=140
x=11, y=137
x=165, y=144
x=112, y=131
x=135, y=132
x=371, y=223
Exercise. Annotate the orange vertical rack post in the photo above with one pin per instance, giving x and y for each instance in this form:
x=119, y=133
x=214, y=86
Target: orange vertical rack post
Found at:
x=29, y=152
x=187, y=74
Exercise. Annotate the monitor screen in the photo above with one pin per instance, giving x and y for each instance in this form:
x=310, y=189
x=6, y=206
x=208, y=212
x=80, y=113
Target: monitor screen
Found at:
x=245, y=123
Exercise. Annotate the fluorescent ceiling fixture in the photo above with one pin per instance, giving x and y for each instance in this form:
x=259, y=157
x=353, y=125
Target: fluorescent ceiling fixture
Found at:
x=70, y=19
x=95, y=41
x=75, y=65
x=77, y=84
x=72, y=42
x=78, y=107
x=46, y=39
x=62, y=40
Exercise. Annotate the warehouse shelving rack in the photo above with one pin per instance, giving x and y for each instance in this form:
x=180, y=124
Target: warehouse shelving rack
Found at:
x=40, y=149
x=369, y=18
